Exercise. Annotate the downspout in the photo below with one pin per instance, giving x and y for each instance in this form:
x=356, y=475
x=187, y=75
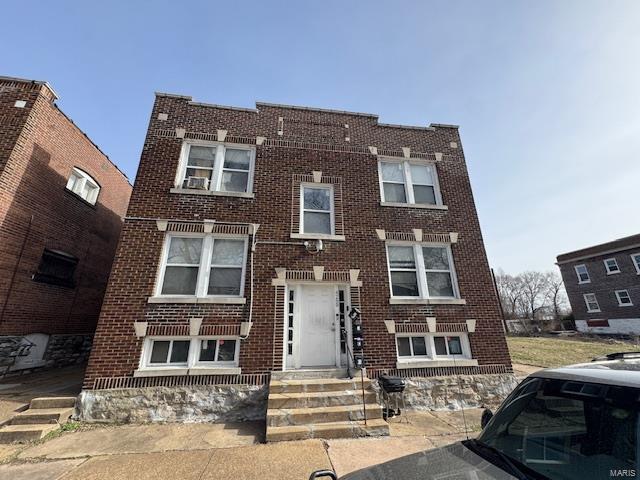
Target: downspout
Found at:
x=254, y=242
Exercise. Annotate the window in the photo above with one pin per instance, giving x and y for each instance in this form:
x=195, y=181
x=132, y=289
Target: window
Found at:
x=317, y=210
x=56, y=268
x=216, y=167
x=624, y=300
x=408, y=182
x=432, y=346
x=636, y=261
x=424, y=271
x=611, y=265
x=592, y=302
x=583, y=274
x=191, y=352
x=203, y=266
x=83, y=185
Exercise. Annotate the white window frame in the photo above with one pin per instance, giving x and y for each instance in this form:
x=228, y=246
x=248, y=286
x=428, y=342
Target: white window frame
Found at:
x=408, y=181
x=218, y=165
x=609, y=270
x=618, y=296
x=587, y=302
x=586, y=271
x=421, y=271
x=431, y=348
x=204, y=269
x=78, y=186
x=332, y=212
x=635, y=258
x=193, y=355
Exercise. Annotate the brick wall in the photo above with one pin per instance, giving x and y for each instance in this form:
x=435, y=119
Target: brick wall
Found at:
x=39, y=146
x=116, y=350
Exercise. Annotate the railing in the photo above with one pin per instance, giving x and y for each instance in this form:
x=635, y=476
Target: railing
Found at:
x=345, y=337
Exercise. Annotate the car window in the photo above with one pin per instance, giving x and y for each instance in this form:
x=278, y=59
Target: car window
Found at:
x=567, y=429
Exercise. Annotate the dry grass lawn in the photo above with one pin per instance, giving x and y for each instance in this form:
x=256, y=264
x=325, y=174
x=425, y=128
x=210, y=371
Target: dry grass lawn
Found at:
x=558, y=351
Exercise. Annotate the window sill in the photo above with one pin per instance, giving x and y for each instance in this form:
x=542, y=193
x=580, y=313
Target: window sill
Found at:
x=626, y=305
x=426, y=206
x=225, y=300
x=215, y=371
x=78, y=197
x=613, y=273
x=463, y=362
x=211, y=193
x=427, y=301
x=594, y=311
x=182, y=371
x=318, y=236
x=584, y=283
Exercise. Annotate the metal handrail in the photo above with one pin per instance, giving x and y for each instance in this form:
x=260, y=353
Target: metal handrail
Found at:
x=343, y=333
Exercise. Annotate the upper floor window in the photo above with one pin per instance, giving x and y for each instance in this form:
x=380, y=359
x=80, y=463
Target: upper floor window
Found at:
x=317, y=210
x=611, y=264
x=583, y=274
x=423, y=271
x=56, y=268
x=409, y=183
x=592, y=302
x=83, y=185
x=216, y=167
x=203, y=266
x=635, y=257
x=624, y=299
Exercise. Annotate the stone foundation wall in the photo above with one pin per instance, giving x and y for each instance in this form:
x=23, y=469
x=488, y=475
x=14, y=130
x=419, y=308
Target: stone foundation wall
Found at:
x=455, y=392
x=64, y=350
x=199, y=403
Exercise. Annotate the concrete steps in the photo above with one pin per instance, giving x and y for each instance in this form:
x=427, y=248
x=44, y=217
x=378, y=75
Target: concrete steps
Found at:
x=43, y=416
x=310, y=406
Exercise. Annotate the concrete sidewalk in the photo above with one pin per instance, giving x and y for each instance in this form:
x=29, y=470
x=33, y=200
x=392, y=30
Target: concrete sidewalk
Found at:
x=208, y=451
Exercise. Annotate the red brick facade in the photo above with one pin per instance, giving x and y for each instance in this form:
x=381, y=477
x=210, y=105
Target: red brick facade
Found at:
x=39, y=147
x=296, y=141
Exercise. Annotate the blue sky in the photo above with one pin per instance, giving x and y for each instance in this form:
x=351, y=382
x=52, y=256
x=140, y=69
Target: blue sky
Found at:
x=546, y=92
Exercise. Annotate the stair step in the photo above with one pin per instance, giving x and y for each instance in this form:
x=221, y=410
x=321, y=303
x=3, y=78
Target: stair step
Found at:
x=42, y=416
x=317, y=385
x=308, y=374
x=304, y=416
x=319, y=399
x=53, y=402
x=375, y=427
x=25, y=433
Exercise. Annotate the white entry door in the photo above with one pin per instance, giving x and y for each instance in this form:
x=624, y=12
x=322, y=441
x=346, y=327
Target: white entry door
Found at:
x=318, y=329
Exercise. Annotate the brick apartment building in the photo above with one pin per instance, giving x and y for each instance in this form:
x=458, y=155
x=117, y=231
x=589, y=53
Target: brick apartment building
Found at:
x=603, y=286
x=254, y=237
x=61, y=207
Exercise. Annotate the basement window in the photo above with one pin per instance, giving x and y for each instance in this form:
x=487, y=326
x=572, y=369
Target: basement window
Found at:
x=56, y=268
x=190, y=352
x=83, y=185
x=432, y=347
x=169, y=352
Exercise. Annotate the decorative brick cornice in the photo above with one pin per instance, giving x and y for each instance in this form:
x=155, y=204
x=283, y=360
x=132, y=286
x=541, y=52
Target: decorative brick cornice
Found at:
x=417, y=235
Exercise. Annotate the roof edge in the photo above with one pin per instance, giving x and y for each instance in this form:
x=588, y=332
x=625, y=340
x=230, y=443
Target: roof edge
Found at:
x=36, y=82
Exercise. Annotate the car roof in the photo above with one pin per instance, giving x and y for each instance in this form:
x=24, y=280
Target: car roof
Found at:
x=618, y=371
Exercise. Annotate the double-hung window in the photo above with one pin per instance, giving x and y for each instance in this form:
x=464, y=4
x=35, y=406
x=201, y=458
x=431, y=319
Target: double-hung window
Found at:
x=203, y=266
x=216, y=167
x=592, y=302
x=317, y=210
x=624, y=299
x=635, y=257
x=406, y=182
x=582, y=273
x=190, y=352
x=432, y=346
x=611, y=264
x=421, y=271
x=83, y=185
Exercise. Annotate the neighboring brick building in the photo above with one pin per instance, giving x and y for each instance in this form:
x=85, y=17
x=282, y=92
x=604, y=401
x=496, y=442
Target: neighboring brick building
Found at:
x=603, y=286
x=61, y=207
x=220, y=279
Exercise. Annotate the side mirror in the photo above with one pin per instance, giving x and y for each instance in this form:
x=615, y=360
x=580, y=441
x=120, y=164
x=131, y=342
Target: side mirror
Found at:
x=323, y=473
x=487, y=415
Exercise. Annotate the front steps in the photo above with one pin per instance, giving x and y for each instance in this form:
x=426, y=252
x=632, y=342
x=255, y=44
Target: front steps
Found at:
x=309, y=405
x=43, y=416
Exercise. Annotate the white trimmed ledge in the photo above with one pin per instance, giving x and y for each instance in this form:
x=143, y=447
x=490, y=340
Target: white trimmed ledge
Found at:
x=318, y=236
x=211, y=193
x=224, y=300
x=215, y=371
x=427, y=301
x=463, y=362
x=427, y=206
x=182, y=371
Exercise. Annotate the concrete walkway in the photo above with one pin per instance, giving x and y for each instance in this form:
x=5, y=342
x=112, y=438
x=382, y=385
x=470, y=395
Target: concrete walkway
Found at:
x=213, y=451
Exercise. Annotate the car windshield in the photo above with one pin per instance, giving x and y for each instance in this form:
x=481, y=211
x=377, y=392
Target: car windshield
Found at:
x=564, y=429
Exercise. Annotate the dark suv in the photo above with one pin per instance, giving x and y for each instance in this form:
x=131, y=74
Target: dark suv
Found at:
x=577, y=422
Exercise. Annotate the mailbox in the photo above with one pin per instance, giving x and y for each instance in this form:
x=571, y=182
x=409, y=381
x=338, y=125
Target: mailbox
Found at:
x=358, y=343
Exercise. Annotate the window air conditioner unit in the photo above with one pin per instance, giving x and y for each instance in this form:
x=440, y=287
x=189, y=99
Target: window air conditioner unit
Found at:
x=200, y=183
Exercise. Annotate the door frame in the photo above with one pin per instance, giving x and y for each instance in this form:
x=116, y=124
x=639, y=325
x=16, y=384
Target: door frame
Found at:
x=298, y=288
